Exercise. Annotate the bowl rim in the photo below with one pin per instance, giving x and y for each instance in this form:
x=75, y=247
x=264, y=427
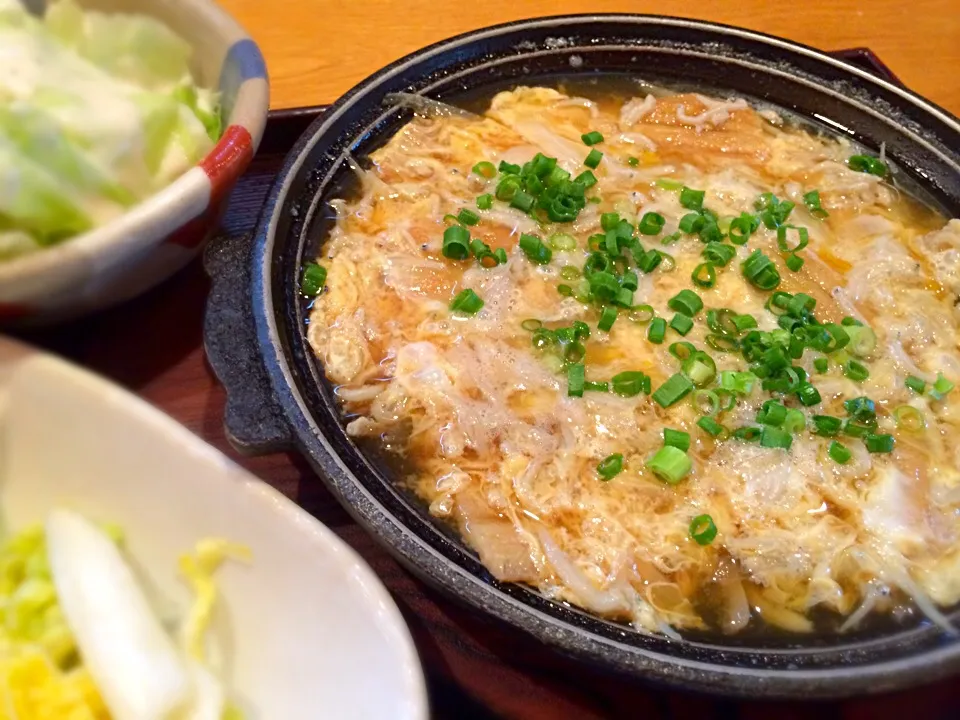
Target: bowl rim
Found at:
x=239, y=482
x=423, y=559
x=190, y=191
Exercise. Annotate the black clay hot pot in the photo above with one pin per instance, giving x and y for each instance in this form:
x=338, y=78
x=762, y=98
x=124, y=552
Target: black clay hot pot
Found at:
x=279, y=399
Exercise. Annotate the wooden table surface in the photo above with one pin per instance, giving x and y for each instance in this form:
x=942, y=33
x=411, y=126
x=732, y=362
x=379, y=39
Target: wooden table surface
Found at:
x=315, y=50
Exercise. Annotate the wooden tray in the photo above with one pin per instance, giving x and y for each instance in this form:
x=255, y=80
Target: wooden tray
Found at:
x=475, y=668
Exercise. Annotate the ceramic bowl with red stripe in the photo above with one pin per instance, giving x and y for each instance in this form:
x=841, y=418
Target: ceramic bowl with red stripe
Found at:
x=156, y=238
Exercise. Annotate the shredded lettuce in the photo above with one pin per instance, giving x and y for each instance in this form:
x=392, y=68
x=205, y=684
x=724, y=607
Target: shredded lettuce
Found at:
x=97, y=112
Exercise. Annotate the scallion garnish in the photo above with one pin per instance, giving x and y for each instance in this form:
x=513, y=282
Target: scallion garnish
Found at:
x=703, y=530
x=610, y=466
x=485, y=169
x=485, y=201
x=651, y=223
x=867, y=164
x=586, y=178
x=670, y=464
x=808, y=395
x=826, y=425
x=909, y=418
x=742, y=228
x=468, y=217
x=534, y=249
x=856, y=371
x=773, y=437
x=676, y=438
x=760, y=271
x=632, y=161
x=630, y=383
x=676, y=388
x=719, y=253
x=313, y=279
x=915, y=384
x=456, y=242
x=879, y=443
x=681, y=323
x=657, y=330
x=607, y=318
x=576, y=377
x=940, y=388
x=591, y=138
x=593, y=159
x=692, y=199
x=840, y=453
x=710, y=426
x=704, y=275
x=812, y=201
x=467, y=302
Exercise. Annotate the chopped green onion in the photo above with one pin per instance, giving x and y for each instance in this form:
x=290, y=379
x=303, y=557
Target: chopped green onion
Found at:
x=650, y=260
x=576, y=378
x=858, y=429
x=630, y=383
x=772, y=413
x=610, y=466
x=676, y=438
x=719, y=253
x=856, y=371
x=710, y=232
x=744, y=322
x=531, y=325
x=862, y=409
x=710, y=426
x=586, y=178
x=565, y=290
x=748, y=433
x=641, y=314
x=591, y=138
x=313, y=279
x=593, y=159
x=596, y=386
x=670, y=464
x=569, y=272
x=681, y=323
x=509, y=168
x=826, y=425
x=580, y=329
x=673, y=390
x=704, y=275
x=692, y=223
x=803, y=238
x=808, y=395
x=632, y=161
x=486, y=169
x=629, y=280
x=742, y=228
x=915, y=384
x=840, y=453
x=707, y=402
x=522, y=201
x=703, y=530
x=821, y=365
x=794, y=421
x=692, y=199
x=686, y=302
x=574, y=352
x=794, y=263
x=862, y=340
x=456, y=242
x=772, y=437
x=607, y=318
x=721, y=321
x=812, y=201
x=466, y=301
x=722, y=343
x=681, y=350
x=657, y=330
x=879, y=443
x=651, y=223
x=940, y=388
x=867, y=164
x=485, y=201
x=562, y=242
x=668, y=184
x=740, y=383
x=700, y=368
x=534, y=249
x=760, y=271
x=909, y=418
x=507, y=187
x=609, y=221
x=670, y=239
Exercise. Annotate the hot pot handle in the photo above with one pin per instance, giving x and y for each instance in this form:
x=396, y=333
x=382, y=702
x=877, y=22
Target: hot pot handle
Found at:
x=253, y=419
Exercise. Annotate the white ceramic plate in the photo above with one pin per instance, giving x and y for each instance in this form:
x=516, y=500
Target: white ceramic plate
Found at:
x=306, y=631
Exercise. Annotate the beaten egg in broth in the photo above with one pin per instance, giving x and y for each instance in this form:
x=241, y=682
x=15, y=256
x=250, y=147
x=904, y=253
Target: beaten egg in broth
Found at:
x=475, y=408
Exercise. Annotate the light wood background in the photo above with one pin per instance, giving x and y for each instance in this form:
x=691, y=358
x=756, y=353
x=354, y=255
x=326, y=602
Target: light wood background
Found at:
x=318, y=49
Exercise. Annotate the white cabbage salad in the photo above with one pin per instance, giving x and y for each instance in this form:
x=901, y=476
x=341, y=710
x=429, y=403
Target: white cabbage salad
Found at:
x=674, y=360
x=97, y=112
x=80, y=641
